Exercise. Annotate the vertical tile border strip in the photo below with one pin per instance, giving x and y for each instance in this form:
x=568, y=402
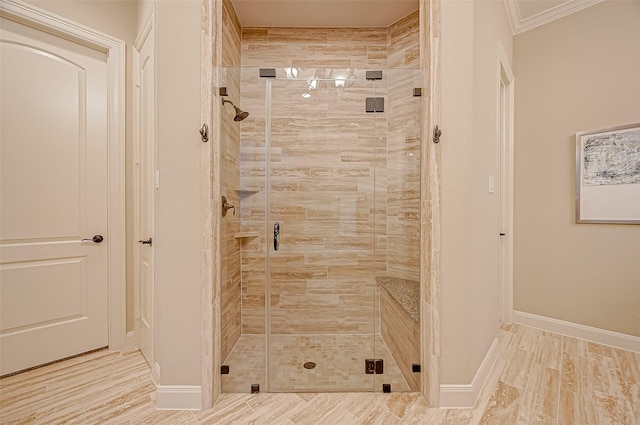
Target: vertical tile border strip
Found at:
x=430, y=202
x=214, y=179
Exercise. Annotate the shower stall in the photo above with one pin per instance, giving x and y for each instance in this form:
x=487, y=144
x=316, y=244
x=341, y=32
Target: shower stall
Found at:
x=320, y=243
x=322, y=259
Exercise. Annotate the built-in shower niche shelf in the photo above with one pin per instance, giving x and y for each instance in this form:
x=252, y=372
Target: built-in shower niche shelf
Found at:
x=246, y=235
x=246, y=191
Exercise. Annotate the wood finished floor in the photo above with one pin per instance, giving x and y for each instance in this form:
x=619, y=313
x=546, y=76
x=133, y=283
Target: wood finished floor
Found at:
x=539, y=378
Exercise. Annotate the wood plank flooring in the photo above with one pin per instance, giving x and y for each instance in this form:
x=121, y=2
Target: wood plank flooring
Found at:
x=539, y=378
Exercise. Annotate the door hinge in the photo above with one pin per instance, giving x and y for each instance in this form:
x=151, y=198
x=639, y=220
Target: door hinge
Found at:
x=373, y=366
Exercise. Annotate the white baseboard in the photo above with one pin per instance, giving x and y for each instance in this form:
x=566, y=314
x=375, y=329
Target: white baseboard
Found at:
x=601, y=336
x=465, y=396
x=178, y=397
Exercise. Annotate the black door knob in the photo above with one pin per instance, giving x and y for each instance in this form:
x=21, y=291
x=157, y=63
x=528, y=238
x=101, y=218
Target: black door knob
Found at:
x=94, y=239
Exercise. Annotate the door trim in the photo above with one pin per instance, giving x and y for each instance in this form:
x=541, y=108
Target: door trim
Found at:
x=115, y=51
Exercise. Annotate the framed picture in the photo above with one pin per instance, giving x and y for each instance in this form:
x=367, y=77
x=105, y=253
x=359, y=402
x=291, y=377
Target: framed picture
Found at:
x=608, y=175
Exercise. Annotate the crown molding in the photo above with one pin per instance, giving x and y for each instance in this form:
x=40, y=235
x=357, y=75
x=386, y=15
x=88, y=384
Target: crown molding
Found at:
x=520, y=25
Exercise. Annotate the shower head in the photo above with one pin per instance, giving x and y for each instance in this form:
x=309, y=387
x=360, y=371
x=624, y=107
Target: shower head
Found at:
x=240, y=114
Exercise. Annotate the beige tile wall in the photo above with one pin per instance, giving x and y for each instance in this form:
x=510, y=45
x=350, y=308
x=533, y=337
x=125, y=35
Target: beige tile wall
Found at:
x=323, y=168
x=230, y=287
x=252, y=205
x=403, y=151
x=322, y=278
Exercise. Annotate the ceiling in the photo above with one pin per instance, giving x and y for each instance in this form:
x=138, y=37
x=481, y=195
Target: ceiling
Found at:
x=322, y=13
x=523, y=14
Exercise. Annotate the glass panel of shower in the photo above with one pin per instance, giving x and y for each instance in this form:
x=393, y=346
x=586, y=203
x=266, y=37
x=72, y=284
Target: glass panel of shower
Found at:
x=321, y=217
x=321, y=264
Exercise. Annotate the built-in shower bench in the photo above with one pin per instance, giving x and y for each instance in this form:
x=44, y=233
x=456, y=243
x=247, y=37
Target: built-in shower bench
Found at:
x=405, y=292
x=400, y=323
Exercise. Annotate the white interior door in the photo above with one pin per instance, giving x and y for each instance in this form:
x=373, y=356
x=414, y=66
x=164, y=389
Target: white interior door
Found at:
x=505, y=187
x=145, y=187
x=53, y=193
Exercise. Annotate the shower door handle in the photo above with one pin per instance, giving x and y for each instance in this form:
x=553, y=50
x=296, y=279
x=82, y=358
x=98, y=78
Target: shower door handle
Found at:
x=276, y=236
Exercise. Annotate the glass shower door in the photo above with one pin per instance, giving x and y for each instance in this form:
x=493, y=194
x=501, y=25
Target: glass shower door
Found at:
x=321, y=221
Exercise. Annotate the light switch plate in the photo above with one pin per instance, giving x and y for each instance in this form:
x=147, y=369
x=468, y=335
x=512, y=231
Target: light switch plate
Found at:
x=492, y=184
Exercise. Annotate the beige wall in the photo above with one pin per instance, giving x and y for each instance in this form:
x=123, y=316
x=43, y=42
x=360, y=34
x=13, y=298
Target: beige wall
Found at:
x=177, y=206
x=577, y=73
x=469, y=247
x=117, y=19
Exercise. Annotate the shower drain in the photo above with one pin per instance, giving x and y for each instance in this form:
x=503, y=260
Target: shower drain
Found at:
x=309, y=365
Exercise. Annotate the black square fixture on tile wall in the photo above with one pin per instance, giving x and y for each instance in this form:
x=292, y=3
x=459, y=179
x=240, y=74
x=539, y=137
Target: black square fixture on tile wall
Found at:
x=267, y=73
x=373, y=366
x=224, y=369
x=255, y=388
x=415, y=368
x=374, y=104
x=386, y=388
x=374, y=75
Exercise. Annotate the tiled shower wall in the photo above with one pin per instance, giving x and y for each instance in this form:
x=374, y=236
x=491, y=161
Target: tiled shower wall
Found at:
x=323, y=275
x=230, y=287
x=322, y=284
x=403, y=152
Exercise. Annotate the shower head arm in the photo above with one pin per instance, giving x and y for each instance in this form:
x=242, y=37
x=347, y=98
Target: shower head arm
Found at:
x=240, y=114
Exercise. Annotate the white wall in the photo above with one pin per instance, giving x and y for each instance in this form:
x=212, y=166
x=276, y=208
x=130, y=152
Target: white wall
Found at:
x=578, y=73
x=469, y=287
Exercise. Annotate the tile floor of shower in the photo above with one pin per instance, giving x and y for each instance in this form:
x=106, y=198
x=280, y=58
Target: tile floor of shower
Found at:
x=339, y=363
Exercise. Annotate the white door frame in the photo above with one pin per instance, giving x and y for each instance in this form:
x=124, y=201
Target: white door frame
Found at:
x=115, y=234
x=505, y=114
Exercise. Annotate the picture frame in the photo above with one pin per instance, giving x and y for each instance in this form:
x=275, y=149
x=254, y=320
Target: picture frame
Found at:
x=608, y=175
